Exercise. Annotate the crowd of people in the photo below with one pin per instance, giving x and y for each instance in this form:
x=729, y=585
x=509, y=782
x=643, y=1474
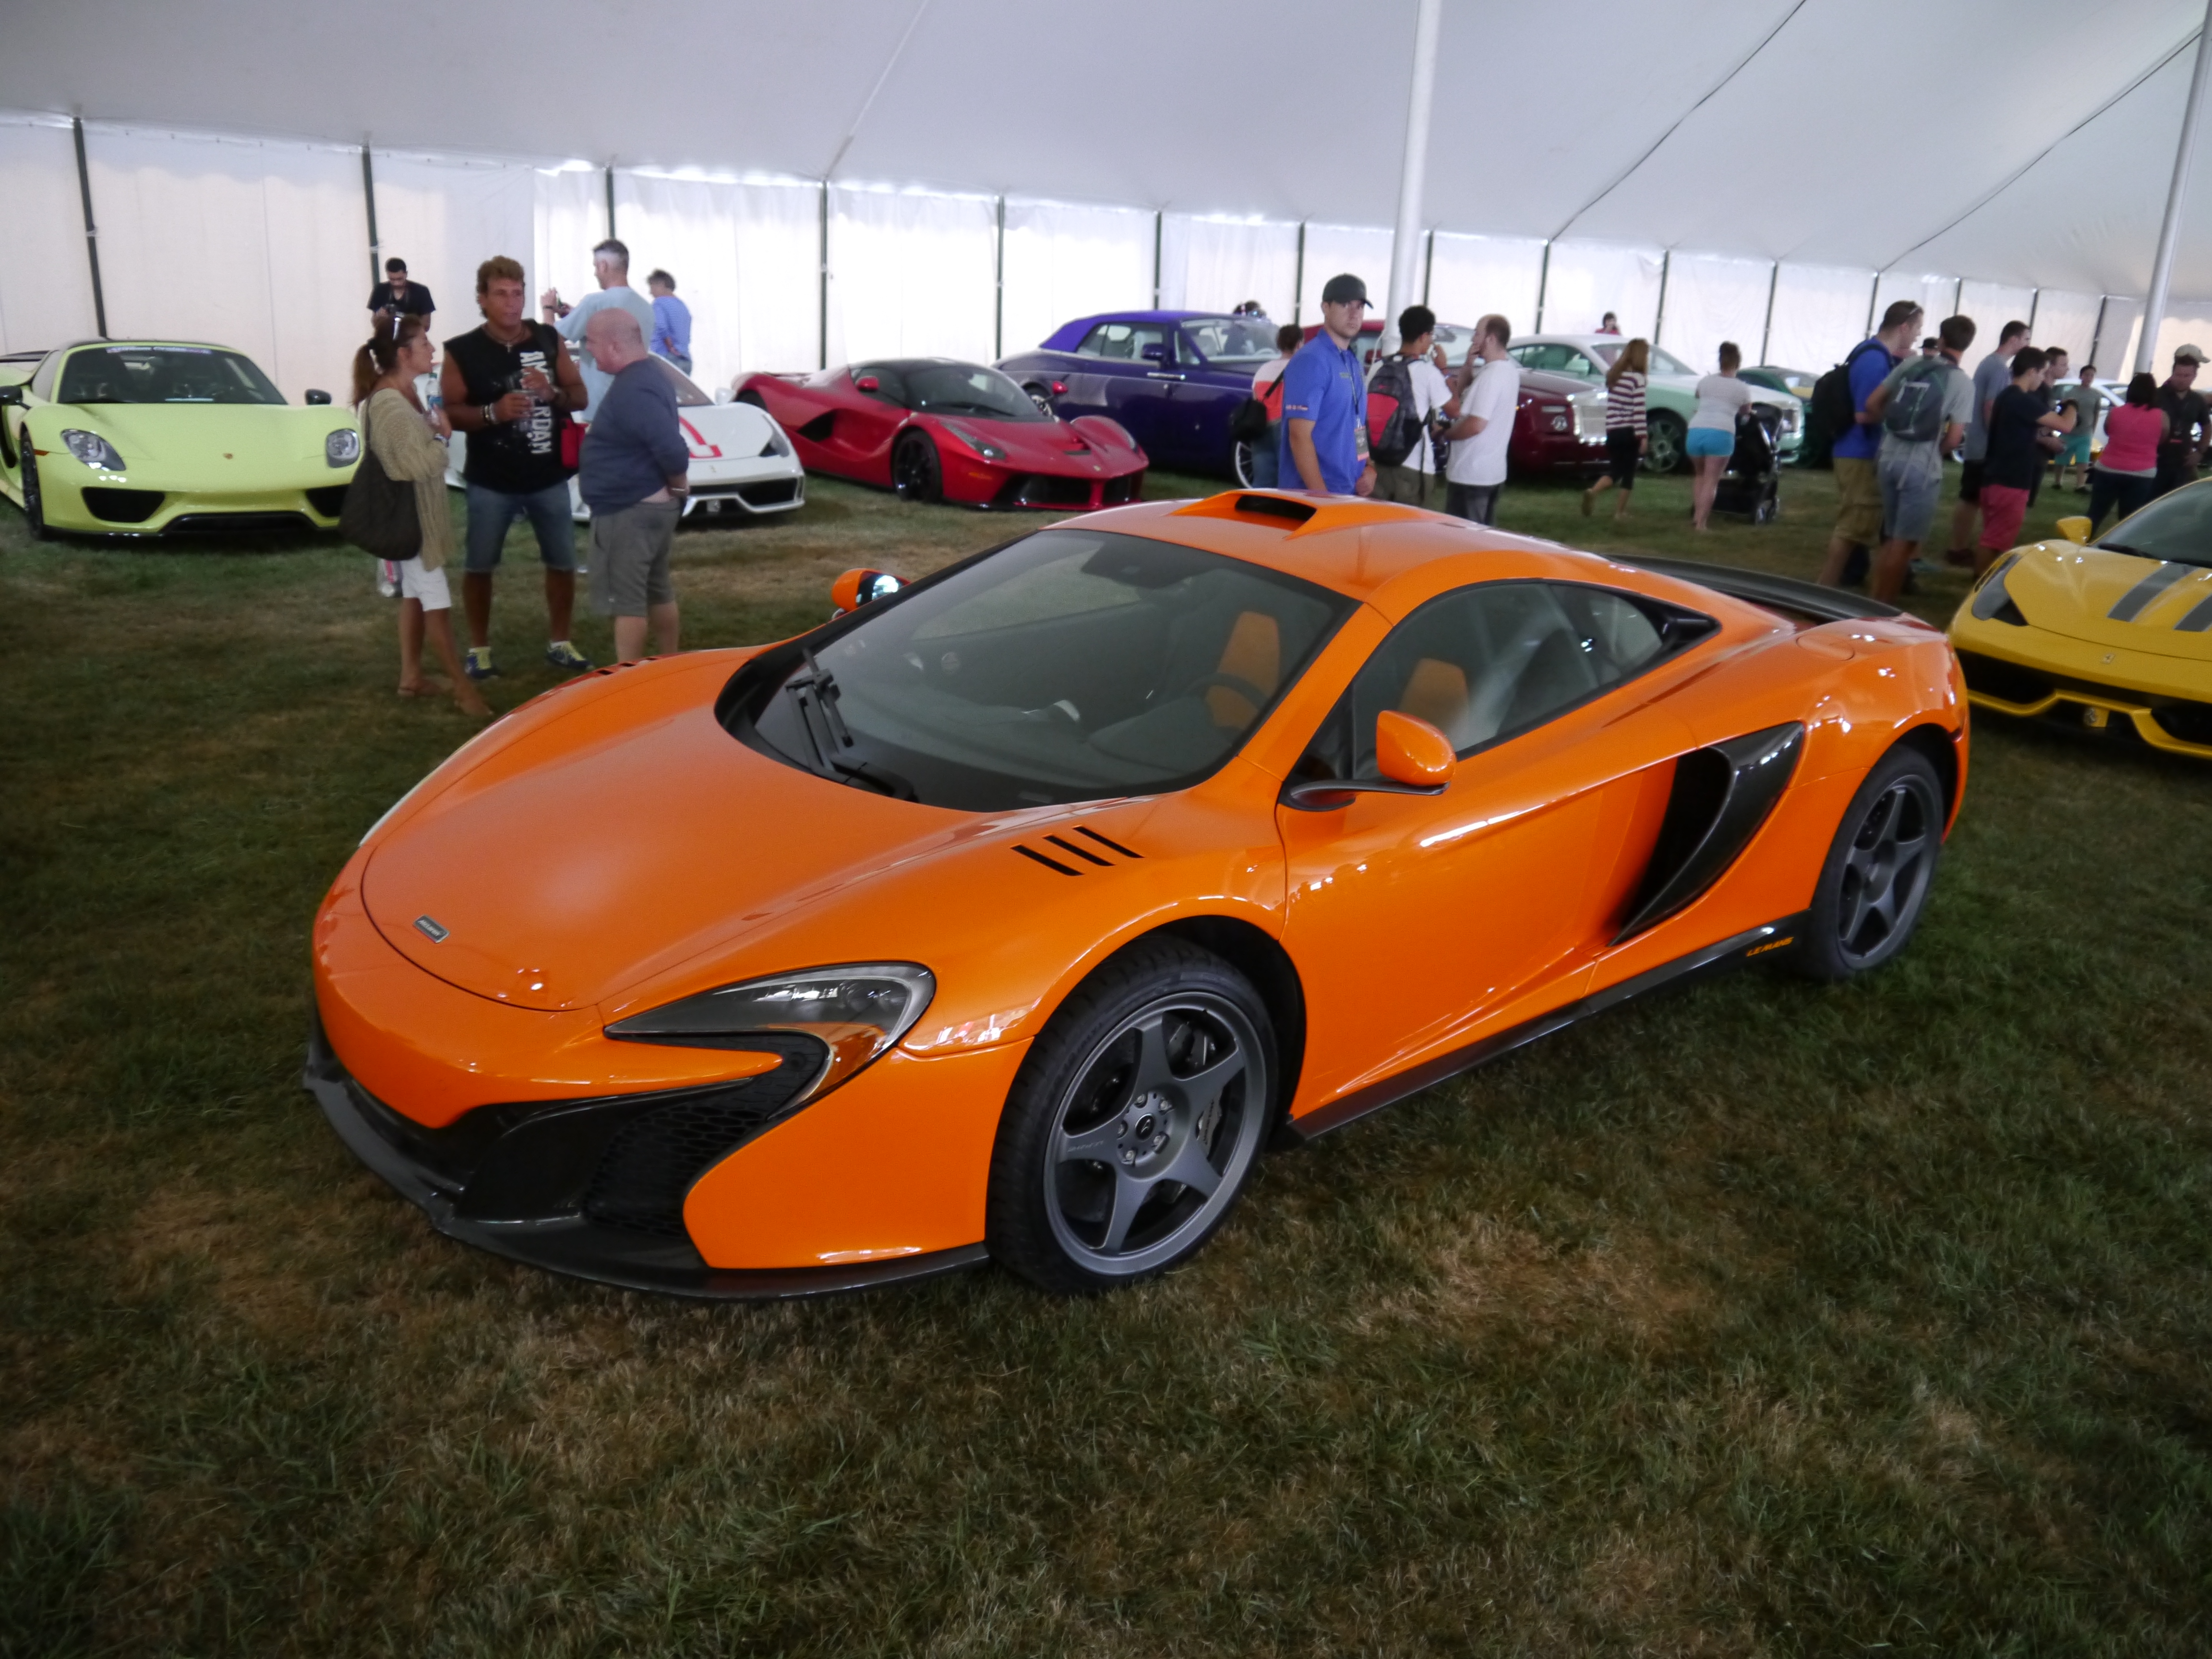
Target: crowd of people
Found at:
x=535, y=414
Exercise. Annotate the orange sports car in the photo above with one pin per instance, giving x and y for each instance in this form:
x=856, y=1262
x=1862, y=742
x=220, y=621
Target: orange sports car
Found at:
x=1010, y=913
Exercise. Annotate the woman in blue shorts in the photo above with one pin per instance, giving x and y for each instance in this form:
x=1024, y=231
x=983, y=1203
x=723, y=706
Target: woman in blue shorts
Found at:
x=1721, y=398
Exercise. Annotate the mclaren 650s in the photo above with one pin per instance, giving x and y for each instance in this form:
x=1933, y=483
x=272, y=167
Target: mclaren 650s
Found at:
x=1011, y=914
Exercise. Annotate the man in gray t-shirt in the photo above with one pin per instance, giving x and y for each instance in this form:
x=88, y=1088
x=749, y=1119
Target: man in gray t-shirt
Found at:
x=1991, y=375
x=1910, y=467
x=610, y=265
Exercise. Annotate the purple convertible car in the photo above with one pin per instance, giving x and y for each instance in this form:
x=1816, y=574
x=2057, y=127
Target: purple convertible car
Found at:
x=1172, y=378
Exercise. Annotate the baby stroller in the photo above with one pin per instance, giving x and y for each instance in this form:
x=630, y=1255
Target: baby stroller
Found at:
x=1752, y=486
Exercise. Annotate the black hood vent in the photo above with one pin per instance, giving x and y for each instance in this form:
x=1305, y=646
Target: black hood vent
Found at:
x=1078, y=853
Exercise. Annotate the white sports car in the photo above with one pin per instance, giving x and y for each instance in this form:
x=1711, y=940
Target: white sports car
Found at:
x=741, y=461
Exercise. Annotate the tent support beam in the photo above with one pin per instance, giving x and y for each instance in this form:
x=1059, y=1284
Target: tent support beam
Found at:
x=91, y=230
x=2097, y=334
x=999, y=285
x=1159, y=237
x=1543, y=283
x=1873, y=298
x=1659, y=317
x=2161, y=269
x=1766, y=329
x=368, y=198
x=1406, y=237
x=1428, y=265
x=1298, y=278
x=822, y=314
x=610, y=198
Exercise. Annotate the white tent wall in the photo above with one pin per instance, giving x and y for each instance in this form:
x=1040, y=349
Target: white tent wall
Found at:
x=569, y=219
x=1332, y=250
x=1064, y=261
x=1992, y=304
x=911, y=274
x=1820, y=314
x=243, y=241
x=690, y=227
x=45, y=272
x=1587, y=279
x=1216, y=263
x=1711, y=298
x=1937, y=296
x=2188, y=322
x=1470, y=276
x=445, y=217
x=2067, y=320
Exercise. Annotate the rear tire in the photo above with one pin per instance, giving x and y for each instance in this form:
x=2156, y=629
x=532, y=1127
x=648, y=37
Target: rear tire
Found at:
x=1133, y=1123
x=1240, y=462
x=916, y=472
x=1874, y=882
x=1667, y=442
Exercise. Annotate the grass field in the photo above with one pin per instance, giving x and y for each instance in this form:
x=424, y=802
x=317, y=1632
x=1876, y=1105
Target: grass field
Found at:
x=1756, y=1319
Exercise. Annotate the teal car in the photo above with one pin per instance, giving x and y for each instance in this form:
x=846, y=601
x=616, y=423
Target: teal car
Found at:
x=1670, y=398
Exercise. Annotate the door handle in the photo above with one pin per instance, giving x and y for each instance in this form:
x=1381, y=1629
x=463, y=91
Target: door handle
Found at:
x=1154, y=374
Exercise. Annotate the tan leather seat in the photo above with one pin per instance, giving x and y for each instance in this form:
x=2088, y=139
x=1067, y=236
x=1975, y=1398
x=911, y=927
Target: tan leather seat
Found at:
x=1436, y=691
x=1254, y=655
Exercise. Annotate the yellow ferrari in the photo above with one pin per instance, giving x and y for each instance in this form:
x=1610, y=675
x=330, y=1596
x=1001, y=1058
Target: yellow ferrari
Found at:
x=144, y=437
x=2114, y=636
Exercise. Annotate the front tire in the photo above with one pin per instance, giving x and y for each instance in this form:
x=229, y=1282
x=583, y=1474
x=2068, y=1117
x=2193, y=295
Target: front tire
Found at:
x=1135, y=1122
x=1875, y=883
x=34, y=504
x=916, y=473
x=1667, y=443
x=1240, y=462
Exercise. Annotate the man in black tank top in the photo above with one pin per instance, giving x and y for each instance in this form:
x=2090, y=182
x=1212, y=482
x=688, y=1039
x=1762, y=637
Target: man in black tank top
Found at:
x=510, y=385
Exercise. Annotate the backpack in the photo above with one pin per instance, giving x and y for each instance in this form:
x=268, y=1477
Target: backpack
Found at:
x=1915, y=414
x=1832, y=411
x=379, y=514
x=1394, y=425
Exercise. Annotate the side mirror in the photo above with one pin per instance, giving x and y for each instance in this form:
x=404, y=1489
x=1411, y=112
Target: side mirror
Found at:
x=316, y=398
x=11, y=396
x=1413, y=758
x=858, y=587
x=2075, y=530
x=869, y=383
x=723, y=394
x=1156, y=354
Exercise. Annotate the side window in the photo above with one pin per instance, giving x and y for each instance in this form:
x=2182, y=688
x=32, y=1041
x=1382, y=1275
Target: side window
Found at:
x=1559, y=359
x=1120, y=341
x=42, y=383
x=1488, y=662
x=890, y=384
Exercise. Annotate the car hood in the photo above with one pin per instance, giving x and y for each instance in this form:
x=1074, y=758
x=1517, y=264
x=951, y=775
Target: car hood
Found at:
x=623, y=839
x=1569, y=387
x=2116, y=600
x=1040, y=446
x=234, y=442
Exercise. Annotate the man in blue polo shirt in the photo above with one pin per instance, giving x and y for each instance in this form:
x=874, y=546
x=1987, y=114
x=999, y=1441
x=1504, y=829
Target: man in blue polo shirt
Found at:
x=1859, y=527
x=1325, y=400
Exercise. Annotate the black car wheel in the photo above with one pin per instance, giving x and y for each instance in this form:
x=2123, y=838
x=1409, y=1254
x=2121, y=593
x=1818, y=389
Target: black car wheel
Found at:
x=1875, y=883
x=1133, y=1123
x=1241, y=460
x=1666, y=443
x=916, y=473
x=34, y=506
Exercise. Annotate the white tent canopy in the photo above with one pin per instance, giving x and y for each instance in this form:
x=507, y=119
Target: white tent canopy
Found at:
x=861, y=177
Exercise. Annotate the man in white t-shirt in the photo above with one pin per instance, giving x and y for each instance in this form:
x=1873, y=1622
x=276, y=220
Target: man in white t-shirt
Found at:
x=1408, y=480
x=1482, y=426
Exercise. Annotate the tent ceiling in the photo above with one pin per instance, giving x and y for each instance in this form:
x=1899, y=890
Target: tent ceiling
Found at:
x=1919, y=134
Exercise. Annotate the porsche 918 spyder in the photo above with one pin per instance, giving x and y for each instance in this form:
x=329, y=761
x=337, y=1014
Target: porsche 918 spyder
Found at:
x=141, y=437
x=2113, y=637
x=1010, y=913
x=937, y=430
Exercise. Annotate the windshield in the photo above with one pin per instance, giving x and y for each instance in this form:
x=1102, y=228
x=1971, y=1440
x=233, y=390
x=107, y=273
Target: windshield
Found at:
x=2177, y=528
x=163, y=374
x=688, y=395
x=1663, y=362
x=1233, y=338
x=1073, y=665
x=956, y=389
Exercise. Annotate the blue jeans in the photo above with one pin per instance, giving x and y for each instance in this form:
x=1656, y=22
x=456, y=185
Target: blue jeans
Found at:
x=1267, y=459
x=492, y=511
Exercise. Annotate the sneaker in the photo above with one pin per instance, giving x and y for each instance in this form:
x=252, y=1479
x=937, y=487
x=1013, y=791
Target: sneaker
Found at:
x=478, y=665
x=561, y=654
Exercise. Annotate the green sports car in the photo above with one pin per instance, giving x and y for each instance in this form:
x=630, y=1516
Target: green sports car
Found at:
x=144, y=437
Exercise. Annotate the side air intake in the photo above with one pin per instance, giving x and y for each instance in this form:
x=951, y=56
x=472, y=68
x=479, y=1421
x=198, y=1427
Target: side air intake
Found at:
x=1721, y=795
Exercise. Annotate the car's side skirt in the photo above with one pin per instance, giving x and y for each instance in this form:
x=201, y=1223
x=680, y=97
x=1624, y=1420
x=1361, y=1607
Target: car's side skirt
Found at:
x=1758, y=941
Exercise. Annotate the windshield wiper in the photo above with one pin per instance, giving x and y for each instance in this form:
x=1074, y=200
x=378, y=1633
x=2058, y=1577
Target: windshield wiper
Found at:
x=815, y=694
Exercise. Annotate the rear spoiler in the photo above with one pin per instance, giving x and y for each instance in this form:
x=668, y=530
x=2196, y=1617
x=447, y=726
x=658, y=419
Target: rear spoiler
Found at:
x=1783, y=593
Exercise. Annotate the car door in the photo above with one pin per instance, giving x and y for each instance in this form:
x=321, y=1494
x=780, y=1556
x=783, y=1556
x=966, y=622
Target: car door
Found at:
x=1121, y=381
x=1200, y=406
x=1415, y=919
x=860, y=434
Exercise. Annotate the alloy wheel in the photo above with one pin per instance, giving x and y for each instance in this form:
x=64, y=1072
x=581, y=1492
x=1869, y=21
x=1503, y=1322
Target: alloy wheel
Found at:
x=1885, y=875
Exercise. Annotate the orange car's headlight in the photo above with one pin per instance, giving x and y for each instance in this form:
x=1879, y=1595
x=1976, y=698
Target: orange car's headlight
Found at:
x=855, y=1012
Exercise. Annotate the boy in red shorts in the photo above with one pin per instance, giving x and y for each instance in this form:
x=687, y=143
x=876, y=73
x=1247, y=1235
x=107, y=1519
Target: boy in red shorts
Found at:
x=2018, y=416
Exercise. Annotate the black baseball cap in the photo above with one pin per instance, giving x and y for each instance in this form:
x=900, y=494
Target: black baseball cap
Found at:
x=1342, y=290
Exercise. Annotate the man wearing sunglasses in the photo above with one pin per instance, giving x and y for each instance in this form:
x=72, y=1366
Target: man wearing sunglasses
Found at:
x=1325, y=400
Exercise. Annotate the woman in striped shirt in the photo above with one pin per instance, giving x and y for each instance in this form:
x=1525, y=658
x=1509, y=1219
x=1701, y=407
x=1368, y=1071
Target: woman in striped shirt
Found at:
x=1624, y=436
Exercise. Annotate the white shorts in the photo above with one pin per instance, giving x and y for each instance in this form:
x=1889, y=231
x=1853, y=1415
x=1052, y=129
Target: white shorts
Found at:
x=414, y=582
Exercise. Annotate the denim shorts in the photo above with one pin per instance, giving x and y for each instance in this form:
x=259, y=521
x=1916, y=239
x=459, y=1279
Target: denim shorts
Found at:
x=491, y=511
x=1707, y=440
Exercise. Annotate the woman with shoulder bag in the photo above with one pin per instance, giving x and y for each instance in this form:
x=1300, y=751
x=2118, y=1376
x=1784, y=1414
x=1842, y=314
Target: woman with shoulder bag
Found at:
x=405, y=440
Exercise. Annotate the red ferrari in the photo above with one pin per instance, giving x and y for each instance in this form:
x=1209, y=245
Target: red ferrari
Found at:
x=937, y=430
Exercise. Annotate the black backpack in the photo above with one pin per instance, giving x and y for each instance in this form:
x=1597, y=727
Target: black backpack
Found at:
x=1394, y=427
x=1833, y=412
x=379, y=514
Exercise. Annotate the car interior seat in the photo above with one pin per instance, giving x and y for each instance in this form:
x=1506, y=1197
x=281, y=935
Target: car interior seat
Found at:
x=1436, y=691
x=1252, y=654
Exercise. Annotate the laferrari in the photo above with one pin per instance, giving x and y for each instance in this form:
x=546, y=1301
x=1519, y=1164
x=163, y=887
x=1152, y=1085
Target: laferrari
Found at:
x=1011, y=914
x=2112, y=637
x=144, y=437
x=937, y=430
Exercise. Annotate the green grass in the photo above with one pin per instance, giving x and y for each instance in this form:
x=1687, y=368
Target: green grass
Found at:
x=1756, y=1319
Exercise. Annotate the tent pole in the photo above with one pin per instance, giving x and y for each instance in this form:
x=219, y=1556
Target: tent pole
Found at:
x=91, y=231
x=1405, y=240
x=368, y=196
x=1958, y=296
x=1766, y=329
x=1659, y=318
x=1428, y=265
x=823, y=314
x=610, y=198
x=1543, y=283
x=2161, y=269
x=1160, y=231
x=1298, y=278
x=2097, y=334
x=1873, y=298
x=998, y=282
x=2034, y=298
